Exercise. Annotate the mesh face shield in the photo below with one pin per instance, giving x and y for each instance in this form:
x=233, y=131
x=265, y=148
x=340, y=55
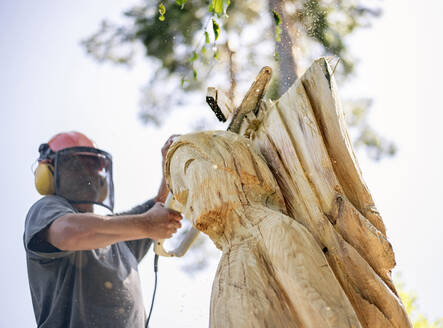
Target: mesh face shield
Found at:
x=83, y=175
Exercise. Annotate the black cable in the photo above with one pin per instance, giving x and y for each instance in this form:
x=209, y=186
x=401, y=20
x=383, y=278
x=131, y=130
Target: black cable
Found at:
x=155, y=288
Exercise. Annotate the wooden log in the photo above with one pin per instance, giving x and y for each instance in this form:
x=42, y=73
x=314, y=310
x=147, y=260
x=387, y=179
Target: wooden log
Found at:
x=321, y=89
x=368, y=293
x=303, y=206
x=369, y=242
x=272, y=271
x=329, y=256
x=358, y=229
x=251, y=101
x=300, y=124
x=292, y=142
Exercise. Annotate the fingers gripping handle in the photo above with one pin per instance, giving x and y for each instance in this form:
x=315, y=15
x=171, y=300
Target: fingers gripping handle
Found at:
x=186, y=238
x=181, y=249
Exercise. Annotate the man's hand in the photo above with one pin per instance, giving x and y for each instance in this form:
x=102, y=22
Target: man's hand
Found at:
x=163, y=190
x=82, y=231
x=167, y=144
x=161, y=222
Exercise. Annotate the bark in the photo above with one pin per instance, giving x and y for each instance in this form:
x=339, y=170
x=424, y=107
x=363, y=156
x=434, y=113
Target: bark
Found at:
x=287, y=66
x=232, y=73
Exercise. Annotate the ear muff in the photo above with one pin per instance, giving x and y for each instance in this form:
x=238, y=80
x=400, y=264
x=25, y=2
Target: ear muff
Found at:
x=103, y=192
x=44, y=179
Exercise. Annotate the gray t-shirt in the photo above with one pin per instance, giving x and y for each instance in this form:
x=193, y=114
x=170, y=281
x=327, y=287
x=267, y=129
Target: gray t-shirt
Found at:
x=96, y=288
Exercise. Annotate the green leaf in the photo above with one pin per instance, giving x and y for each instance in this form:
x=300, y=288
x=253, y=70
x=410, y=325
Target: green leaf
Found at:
x=181, y=3
x=216, y=29
x=162, y=12
x=194, y=57
x=278, y=33
x=182, y=82
x=194, y=71
x=203, y=51
x=277, y=18
x=217, y=5
x=216, y=54
x=206, y=37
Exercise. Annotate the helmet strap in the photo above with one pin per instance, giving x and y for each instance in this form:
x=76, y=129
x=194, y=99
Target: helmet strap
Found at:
x=46, y=153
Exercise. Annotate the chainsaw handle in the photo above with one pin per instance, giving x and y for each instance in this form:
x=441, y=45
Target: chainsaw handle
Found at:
x=181, y=249
x=184, y=244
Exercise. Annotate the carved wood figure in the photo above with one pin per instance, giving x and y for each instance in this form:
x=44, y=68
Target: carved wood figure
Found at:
x=272, y=272
x=303, y=246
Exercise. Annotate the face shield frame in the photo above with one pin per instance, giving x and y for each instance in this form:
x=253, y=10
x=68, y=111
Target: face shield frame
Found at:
x=85, y=171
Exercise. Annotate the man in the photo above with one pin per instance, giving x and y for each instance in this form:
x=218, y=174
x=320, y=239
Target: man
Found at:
x=83, y=267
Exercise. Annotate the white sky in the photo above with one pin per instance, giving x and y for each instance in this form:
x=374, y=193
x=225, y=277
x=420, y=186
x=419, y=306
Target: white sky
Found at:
x=47, y=85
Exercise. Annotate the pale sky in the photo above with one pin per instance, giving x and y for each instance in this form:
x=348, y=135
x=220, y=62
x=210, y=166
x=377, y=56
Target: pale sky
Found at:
x=47, y=85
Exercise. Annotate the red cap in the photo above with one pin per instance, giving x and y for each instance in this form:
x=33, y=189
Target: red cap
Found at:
x=69, y=139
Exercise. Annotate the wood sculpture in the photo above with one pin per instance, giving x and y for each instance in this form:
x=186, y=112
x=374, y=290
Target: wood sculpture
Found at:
x=327, y=263
x=272, y=272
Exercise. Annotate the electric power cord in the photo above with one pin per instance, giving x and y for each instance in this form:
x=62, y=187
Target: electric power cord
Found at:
x=155, y=288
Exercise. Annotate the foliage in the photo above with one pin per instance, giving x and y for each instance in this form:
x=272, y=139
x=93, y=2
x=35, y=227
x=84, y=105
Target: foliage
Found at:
x=419, y=320
x=277, y=22
x=192, y=44
x=161, y=11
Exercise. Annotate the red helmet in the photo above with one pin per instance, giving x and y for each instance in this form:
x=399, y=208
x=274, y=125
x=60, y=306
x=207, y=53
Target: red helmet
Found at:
x=72, y=167
x=69, y=139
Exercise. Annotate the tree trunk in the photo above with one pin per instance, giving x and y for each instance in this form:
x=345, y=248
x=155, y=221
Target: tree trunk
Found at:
x=287, y=67
x=232, y=69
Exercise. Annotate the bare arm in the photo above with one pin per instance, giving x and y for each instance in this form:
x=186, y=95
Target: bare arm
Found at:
x=84, y=231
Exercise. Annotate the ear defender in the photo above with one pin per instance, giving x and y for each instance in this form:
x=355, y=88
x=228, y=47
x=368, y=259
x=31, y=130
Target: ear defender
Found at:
x=44, y=179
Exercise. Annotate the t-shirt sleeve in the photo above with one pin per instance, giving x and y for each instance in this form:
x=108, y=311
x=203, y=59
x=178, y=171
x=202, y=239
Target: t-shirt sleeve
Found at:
x=141, y=246
x=142, y=208
x=40, y=216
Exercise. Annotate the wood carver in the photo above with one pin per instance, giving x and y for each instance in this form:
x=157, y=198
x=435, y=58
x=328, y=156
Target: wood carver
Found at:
x=303, y=246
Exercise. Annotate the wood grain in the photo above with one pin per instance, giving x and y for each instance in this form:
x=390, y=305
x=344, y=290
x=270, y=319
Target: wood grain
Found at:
x=303, y=243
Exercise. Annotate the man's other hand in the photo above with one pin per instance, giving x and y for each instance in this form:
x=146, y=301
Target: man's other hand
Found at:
x=167, y=144
x=163, y=190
